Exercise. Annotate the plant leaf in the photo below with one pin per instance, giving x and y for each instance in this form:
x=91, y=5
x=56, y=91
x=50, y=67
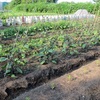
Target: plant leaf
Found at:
x=51, y=50
x=84, y=46
x=53, y=61
x=42, y=62
x=0, y=47
x=13, y=76
x=7, y=71
x=9, y=65
x=2, y=59
x=19, y=70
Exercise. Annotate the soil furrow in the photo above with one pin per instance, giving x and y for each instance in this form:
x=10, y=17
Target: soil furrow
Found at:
x=13, y=88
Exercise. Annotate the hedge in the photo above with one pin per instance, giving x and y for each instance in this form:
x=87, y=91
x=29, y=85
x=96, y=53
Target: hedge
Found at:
x=62, y=8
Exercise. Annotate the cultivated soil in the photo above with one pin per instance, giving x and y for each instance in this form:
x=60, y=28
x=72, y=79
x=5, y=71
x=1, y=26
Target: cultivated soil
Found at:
x=66, y=80
x=81, y=84
x=11, y=88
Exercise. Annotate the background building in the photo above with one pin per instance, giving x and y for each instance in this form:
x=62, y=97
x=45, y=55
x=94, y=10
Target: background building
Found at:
x=2, y=5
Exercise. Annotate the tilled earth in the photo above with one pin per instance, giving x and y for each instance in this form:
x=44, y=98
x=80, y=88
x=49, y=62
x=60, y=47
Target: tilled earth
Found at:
x=81, y=84
x=68, y=80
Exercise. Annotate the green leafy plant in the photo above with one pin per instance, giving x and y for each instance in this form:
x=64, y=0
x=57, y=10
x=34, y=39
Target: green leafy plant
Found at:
x=27, y=98
x=47, y=52
x=69, y=77
x=16, y=56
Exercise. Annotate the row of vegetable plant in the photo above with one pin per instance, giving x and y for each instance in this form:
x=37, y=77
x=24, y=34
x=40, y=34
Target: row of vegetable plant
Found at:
x=47, y=46
x=39, y=27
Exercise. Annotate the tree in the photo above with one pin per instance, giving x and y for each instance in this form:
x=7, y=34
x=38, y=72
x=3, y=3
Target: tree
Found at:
x=49, y=0
x=96, y=0
x=16, y=2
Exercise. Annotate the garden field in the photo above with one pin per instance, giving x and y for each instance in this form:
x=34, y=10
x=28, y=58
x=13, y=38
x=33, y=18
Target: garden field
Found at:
x=45, y=51
x=50, y=60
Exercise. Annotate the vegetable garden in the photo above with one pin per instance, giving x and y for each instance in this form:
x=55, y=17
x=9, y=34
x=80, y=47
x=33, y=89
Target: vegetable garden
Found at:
x=30, y=55
x=46, y=43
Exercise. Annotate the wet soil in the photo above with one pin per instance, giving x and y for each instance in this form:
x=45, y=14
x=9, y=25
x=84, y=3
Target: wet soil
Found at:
x=81, y=84
x=12, y=87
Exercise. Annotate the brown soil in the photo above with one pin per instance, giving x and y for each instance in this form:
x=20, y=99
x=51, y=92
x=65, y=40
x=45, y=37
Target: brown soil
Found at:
x=10, y=88
x=81, y=84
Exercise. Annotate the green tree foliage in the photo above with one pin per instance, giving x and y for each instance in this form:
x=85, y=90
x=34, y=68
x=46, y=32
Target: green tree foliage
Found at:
x=16, y=2
x=96, y=0
x=27, y=1
x=50, y=0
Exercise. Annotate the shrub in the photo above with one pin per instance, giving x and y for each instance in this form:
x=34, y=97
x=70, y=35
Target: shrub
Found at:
x=62, y=8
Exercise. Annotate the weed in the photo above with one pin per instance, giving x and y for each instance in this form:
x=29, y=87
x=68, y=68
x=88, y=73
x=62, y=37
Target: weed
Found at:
x=52, y=86
x=27, y=98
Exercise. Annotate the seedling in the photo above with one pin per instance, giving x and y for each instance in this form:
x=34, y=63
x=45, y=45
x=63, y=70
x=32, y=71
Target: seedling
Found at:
x=13, y=76
x=27, y=98
x=98, y=63
x=52, y=86
x=69, y=77
x=86, y=70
